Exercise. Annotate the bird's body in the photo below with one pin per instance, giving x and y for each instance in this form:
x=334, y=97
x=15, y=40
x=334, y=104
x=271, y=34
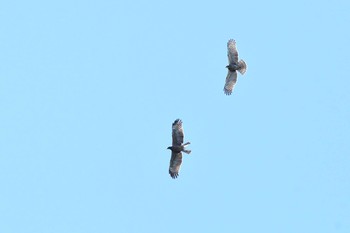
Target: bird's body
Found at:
x=233, y=66
x=177, y=148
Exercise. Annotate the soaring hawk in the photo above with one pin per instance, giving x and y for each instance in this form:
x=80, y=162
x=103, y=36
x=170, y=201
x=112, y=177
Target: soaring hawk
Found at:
x=233, y=66
x=177, y=147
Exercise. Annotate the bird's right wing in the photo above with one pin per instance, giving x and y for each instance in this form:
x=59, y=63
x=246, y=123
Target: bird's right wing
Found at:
x=231, y=80
x=177, y=133
x=175, y=164
x=232, y=51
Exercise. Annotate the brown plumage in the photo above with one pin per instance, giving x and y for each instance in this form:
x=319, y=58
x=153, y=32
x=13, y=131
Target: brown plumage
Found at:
x=177, y=148
x=233, y=66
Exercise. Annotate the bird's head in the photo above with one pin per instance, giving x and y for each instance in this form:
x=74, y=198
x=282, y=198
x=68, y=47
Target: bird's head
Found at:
x=169, y=148
x=226, y=67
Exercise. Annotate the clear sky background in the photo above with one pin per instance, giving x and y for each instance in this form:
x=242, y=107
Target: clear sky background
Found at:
x=89, y=90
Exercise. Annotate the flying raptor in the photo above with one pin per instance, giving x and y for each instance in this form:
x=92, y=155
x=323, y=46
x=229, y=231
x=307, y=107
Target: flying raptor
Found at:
x=233, y=66
x=177, y=148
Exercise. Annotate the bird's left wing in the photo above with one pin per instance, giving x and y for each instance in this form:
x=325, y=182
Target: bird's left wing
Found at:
x=175, y=164
x=231, y=80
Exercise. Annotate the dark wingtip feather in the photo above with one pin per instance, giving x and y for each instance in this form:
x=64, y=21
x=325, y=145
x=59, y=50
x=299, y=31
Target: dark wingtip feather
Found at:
x=177, y=121
x=231, y=41
x=173, y=175
x=227, y=92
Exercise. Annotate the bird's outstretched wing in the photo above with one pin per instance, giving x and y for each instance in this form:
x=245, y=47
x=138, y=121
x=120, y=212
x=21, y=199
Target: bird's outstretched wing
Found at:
x=231, y=80
x=232, y=51
x=178, y=133
x=175, y=164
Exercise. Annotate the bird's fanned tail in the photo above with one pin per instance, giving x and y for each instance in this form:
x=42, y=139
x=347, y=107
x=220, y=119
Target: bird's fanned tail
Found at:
x=243, y=67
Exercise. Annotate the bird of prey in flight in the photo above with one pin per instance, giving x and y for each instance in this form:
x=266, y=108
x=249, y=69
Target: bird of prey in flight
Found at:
x=177, y=148
x=233, y=66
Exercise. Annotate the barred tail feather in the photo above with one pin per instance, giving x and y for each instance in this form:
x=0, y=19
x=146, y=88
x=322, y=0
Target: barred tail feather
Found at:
x=243, y=67
x=187, y=151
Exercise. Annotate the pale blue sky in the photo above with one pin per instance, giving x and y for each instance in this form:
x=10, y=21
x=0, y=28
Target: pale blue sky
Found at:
x=89, y=89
